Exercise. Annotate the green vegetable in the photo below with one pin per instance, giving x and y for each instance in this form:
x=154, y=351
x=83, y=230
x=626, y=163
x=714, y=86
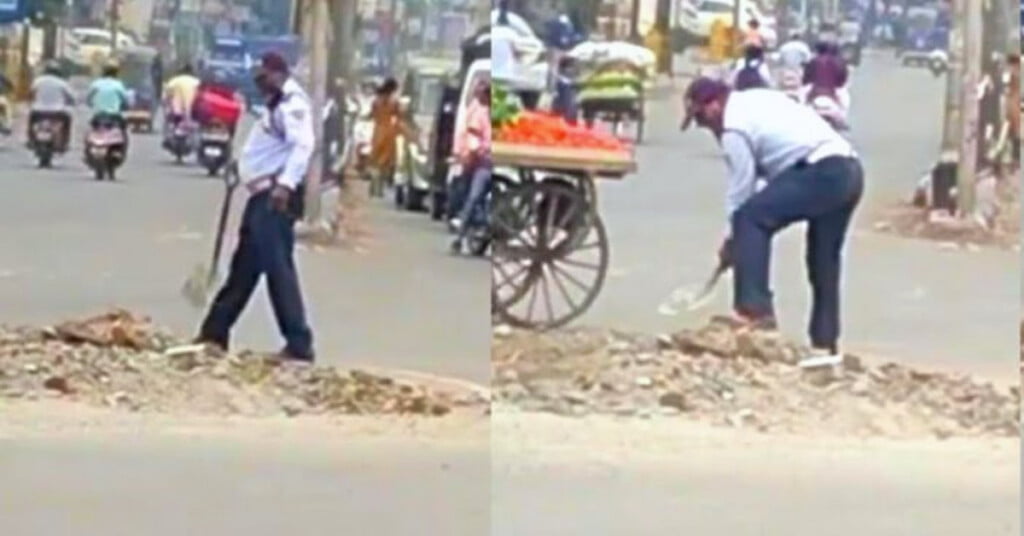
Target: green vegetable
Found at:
x=504, y=106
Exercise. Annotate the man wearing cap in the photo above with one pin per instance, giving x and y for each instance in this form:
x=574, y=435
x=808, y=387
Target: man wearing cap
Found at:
x=273, y=165
x=810, y=174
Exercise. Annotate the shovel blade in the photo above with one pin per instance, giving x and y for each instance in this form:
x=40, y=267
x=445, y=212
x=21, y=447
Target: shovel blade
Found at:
x=196, y=289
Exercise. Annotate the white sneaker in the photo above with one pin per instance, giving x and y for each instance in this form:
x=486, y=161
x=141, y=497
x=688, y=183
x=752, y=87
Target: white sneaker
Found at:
x=456, y=224
x=821, y=358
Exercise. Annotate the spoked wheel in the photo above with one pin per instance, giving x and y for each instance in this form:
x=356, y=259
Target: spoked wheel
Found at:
x=549, y=257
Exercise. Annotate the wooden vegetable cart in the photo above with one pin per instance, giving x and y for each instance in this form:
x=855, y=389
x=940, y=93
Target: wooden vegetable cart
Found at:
x=616, y=111
x=550, y=250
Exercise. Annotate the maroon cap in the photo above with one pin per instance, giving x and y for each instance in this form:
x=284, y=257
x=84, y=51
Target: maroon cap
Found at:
x=272, y=61
x=702, y=91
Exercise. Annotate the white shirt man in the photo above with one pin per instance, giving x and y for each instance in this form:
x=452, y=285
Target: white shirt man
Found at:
x=281, y=143
x=765, y=133
x=794, y=54
x=811, y=174
x=503, y=57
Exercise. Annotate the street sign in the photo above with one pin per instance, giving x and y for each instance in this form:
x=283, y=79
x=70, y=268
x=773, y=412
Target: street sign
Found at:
x=12, y=10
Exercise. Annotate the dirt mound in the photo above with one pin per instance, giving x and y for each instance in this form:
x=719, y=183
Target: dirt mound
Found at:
x=998, y=224
x=735, y=377
x=122, y=360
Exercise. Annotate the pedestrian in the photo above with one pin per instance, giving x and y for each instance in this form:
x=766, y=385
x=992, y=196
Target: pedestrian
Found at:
x=273, y=164
x=564, y=104
x=386, y=127
x=1012, y=106
x=808, y=173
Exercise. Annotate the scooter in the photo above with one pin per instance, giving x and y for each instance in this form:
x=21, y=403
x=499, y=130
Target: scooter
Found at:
x=214, y=147
x=105, y=148
x=179, y=137
x=46, y=141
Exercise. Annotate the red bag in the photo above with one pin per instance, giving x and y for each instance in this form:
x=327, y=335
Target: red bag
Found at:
x=212, y=106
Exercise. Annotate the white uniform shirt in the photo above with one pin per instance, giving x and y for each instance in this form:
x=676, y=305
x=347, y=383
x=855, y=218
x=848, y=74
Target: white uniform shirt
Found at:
x=767, y=133
x=282, y=142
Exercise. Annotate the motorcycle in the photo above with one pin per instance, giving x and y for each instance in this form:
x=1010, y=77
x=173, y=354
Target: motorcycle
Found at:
x=45, y=141
x=105, y=148
x=214, y=147
x=179, y=139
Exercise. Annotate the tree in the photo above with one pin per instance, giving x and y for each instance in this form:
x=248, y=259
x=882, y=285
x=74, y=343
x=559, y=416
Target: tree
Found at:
x=47, y=14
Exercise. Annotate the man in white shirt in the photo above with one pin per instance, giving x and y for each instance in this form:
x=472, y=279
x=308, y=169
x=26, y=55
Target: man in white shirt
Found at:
x=273, y=164
x=795, y=53
x=810, y=174
x=503, y=58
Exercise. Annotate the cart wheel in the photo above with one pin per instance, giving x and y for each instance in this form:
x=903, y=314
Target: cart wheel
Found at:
x=549, y=257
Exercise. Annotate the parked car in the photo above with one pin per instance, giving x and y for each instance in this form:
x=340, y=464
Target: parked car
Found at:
x=94, y=44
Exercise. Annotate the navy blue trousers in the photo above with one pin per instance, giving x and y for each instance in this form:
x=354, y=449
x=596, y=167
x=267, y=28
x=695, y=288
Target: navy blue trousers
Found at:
x=824, y=195
x=266, y=247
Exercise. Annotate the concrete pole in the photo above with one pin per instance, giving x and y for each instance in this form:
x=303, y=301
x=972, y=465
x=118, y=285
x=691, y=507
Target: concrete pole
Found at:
x=970, y=110
x=318, y=13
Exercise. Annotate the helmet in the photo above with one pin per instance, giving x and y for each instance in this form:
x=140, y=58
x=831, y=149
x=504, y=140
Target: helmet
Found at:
x=51, y=67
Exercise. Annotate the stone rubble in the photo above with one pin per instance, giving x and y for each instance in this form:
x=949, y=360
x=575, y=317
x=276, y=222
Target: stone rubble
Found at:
x=121, y=360
x=737, y=377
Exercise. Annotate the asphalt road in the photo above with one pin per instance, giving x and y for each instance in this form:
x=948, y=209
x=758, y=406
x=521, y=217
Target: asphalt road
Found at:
x=905, y=300
x=75, y=472
x=72, y=246
x=579, y=477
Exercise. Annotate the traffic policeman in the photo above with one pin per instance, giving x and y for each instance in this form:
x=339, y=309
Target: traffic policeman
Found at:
x=273, y=165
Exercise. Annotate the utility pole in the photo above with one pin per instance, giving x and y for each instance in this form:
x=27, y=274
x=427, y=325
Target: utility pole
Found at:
x=318, y=13
x=634, y=22
x=994, y=49
x=737, y=27
x=115, y=22
x=969, y=115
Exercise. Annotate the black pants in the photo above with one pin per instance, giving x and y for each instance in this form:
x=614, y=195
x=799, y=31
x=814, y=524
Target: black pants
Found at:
x=265, y=248
x=825, y=195
x=63, y=118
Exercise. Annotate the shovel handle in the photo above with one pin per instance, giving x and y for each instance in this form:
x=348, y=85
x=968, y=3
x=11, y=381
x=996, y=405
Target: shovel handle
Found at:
x=231, y=180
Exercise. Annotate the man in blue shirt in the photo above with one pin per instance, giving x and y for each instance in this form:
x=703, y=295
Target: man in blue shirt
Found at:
x=108, y=97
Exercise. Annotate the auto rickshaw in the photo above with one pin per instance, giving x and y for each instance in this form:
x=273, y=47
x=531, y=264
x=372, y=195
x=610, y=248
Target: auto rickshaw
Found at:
x=137, y=74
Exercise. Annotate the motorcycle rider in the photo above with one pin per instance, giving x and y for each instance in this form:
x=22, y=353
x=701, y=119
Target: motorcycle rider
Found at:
x=51, y=98
x=108, y=99
x=752, y=71
x=214, y=82
x=826, y=76
x=794, y=55
x=178, y=96
x=474, y=151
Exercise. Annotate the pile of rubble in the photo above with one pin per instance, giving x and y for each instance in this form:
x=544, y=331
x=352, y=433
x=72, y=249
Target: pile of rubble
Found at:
x=121, y=360
x=727, y=375
x=997, y=223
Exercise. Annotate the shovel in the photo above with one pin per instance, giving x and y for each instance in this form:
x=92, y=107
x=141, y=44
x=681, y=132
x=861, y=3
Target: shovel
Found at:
x=197, y=287
x=693, y=300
